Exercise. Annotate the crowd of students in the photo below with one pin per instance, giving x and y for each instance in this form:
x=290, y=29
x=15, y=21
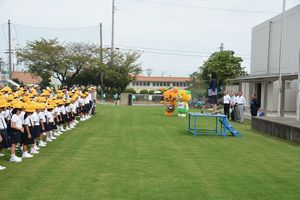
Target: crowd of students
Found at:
x=234, y=106
x=31, y=119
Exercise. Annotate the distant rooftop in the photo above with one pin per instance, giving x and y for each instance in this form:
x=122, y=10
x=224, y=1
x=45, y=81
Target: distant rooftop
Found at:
x=162, y=79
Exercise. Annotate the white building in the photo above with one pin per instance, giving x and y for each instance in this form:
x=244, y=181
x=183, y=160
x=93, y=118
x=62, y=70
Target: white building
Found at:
x=156, y=82
x=265, y=51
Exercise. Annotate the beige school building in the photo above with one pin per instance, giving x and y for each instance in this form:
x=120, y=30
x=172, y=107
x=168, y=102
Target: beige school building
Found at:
x=264, y=72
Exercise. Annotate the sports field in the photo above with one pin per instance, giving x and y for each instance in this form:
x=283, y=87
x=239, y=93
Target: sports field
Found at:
x=138, y=153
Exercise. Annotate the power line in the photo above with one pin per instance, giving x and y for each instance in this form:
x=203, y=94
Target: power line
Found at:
x=172, y=52
x=181, y=18
x=56, y=28
x=210, y=8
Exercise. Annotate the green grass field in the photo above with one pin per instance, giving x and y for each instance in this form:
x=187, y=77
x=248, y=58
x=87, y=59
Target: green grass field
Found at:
x=138, y=153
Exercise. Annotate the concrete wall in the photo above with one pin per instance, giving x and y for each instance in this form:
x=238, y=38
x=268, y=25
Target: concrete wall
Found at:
x=266, y=44
x=276, y=129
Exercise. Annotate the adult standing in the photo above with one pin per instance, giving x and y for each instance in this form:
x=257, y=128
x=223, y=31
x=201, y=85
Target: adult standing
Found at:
x=241, y=106
x=254, y=106
x=213, y=91
x=226, y=102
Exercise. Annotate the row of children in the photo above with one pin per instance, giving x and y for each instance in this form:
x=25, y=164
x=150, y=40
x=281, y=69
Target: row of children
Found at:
x=28, y=120
x=234, y=106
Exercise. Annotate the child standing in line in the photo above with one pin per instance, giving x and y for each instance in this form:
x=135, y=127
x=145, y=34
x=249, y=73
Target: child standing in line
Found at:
x=3, y=130
x=16, y=131
x=27, y=136
x=36, y=127
x=42, y=120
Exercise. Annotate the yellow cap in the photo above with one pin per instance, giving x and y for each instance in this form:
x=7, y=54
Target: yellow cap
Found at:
x=3, y=104
x=29, y=108
x=6, y=89
x=17, y=105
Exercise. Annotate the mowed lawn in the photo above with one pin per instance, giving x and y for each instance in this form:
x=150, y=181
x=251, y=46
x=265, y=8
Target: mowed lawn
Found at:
x=138, y=153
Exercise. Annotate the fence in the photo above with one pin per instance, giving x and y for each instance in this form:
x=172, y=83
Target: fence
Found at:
x=146, y=99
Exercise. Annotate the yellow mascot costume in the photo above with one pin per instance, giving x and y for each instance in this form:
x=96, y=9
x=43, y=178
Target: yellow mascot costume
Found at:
x=183, y=97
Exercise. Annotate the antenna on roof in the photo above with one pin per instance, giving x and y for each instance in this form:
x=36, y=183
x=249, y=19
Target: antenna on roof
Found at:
x=149, y=71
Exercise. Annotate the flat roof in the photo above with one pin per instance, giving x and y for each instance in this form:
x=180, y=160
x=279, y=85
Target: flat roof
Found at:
x=264, y=77
x=162, y=79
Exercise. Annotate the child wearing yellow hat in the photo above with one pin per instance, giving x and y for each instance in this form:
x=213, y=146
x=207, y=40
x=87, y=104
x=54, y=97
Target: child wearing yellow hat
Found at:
x=4, y=139
x=16, y=131
x=28, y=135
x=42, y=119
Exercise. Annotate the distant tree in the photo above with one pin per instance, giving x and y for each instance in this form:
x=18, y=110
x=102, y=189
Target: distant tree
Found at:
x=144, y=92
x=225, y=64
x=47, y=58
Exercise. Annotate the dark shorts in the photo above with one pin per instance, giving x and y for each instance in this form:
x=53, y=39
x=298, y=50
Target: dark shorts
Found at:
x=64, y=118
x=213, y=99
x=37, y=131
x=15, y=136
x=5, y=139
x=24, y=139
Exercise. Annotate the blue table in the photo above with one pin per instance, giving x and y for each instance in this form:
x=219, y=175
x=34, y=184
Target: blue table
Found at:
x=218, y=129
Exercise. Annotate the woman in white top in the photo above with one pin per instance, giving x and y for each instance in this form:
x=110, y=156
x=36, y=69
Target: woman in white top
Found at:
x=226, y=102
x=15, y=132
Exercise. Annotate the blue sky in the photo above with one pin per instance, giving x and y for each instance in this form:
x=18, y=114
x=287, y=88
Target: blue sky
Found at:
x=175, y=37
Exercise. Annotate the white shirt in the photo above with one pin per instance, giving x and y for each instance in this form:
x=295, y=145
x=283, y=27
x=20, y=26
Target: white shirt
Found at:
x=3, y=124
x=63, y=110
x=50, y=116
x=29, y=121
x=35, y=119
x=42, y=117
x=8, y=114
x=16, y=119
x=226, y=99
x=81, y=101
x=22, y=117
x=241, y=100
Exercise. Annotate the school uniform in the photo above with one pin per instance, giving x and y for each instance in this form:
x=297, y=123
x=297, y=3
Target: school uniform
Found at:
x=14, y=134
x=64, y=113
x=3, y=131
x=28, y=122
x=7, y=117
x=36, y=122
x=50, y=118
x=81, y=105
x=43, y=119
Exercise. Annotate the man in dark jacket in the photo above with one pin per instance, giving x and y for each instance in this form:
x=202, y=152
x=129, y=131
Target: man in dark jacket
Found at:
x=254, y=106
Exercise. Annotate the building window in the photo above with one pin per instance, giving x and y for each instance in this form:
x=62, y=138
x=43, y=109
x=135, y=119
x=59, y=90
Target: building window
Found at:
x=148, y=83
x=288, y=85
x=168, y=84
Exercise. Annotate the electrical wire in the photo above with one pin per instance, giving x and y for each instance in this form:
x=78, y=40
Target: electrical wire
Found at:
x=210, y=8
x=56, y=28
x=183, y=18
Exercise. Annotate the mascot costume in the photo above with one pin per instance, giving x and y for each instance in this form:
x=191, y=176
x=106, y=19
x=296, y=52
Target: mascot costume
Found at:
x=183, y=97
x=169, y=102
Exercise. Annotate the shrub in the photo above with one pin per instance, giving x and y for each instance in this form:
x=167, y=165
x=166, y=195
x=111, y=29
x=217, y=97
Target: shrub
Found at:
x=144, y=92
x=130, y=90
x=151, y=91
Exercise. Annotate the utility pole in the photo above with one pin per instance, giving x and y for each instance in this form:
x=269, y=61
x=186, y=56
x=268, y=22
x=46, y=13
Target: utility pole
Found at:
x=149, y=71
x=298, y=93
x=113, y=25
x=221, y=47
x=101, y=44
x=280, y=111
x=9, y=50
